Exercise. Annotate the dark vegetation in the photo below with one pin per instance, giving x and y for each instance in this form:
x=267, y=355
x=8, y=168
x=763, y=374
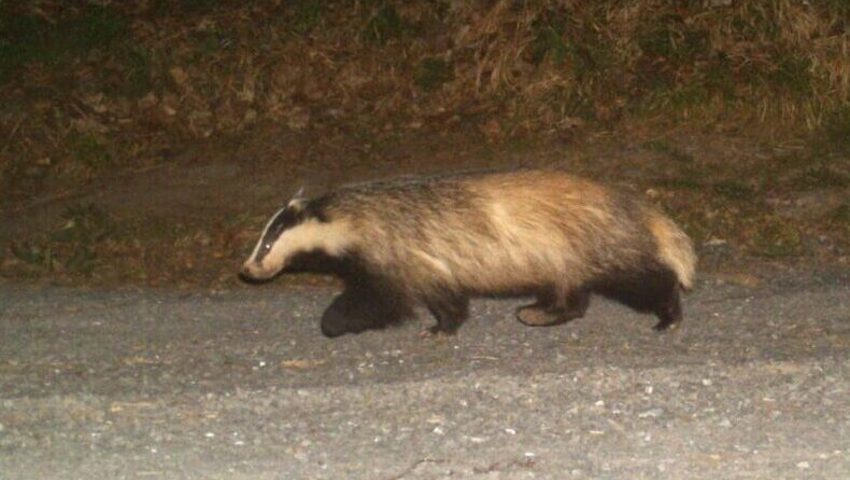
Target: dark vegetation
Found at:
x=88, y=89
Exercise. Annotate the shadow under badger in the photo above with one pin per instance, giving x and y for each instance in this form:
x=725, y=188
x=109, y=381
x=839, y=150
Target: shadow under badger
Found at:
x=437, y=241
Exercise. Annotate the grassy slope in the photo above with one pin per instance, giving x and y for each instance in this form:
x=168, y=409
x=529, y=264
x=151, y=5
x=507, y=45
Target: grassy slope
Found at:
x=89, y=91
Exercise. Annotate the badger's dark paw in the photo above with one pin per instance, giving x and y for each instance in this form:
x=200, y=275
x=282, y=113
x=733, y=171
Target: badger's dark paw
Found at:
x=438, y=331
x=334, y=324
x=535, y=316
x=669, y=312
x=331, y=331
x=665, y=325
x=358, y=310
x=342, y=316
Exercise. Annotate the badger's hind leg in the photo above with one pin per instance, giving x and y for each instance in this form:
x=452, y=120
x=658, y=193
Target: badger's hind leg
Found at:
x=669, y=311
x=653, y=289
x=450, y=310
x=554, y=307
x=363, y=307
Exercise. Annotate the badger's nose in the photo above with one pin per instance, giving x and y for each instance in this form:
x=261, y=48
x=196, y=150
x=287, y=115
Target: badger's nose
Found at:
x=246, y=276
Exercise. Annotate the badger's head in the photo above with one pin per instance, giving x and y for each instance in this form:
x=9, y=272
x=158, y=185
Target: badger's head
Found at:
x=299, y=230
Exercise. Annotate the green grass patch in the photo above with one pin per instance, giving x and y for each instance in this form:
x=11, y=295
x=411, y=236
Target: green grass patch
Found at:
x=29, y=38
x=385, y=23
x=85, y=227
x=777, y=238
x=683, y=96
x=307, y=15
x=206, y=43
x=198, y=5
x=838, y=220
x=166, y=7
x=139, y=79
x=570, y=41
x=693, y=220
x=718, y=77
x=97, y=27
x=818, y=176
x=839, y=8
x=666, y=46
x=841, y=215
x=834, y=134
x=679, y=69
x=670, y=38
x=680, y=183
x=73, y=246
x=791, y=76
x=35, y=254
x=661, y=145
x=789, y=162
x=549, y=38
x=432, y=73
x=83, y=223
x=783, y=75
x=88, y=150
x=21, y=40
x=733, y=190
x=757, y=23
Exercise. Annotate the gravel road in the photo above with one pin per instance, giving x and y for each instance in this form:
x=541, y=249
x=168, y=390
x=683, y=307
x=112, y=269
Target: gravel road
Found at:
x=240, y=384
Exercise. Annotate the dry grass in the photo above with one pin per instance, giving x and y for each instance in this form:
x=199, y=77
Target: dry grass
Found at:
x=166, y=72
x=126, y=85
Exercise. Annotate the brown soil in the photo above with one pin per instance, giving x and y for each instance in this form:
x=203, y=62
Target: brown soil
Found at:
x=189, y=219
x=142, y=144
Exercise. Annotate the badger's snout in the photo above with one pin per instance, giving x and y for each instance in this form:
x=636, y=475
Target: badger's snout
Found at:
x=249, y=274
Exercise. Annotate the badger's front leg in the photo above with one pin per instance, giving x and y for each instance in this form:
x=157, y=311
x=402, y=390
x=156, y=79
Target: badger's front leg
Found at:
x=345, y=314
x=554, y=307
x=363, y=306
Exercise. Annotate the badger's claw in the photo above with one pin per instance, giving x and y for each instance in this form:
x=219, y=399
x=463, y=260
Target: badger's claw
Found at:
x=534, y=316
x=436, y=332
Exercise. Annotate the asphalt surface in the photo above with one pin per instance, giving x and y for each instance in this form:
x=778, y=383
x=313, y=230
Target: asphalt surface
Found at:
x=241, y=384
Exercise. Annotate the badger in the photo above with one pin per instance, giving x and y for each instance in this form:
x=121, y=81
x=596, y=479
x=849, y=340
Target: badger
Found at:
x=437, y=241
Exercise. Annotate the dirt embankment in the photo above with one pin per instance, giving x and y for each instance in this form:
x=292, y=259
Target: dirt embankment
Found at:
x=145, y=142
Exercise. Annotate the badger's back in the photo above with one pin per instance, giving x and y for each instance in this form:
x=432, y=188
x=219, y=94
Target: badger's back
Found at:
x=494, y=233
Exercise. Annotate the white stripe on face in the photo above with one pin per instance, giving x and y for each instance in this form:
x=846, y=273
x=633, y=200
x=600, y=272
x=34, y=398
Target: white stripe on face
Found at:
x=311, y=235
x=260, y=242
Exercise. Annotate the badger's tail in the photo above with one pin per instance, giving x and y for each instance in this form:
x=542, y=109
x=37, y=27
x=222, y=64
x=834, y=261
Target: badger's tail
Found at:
x=674, y=248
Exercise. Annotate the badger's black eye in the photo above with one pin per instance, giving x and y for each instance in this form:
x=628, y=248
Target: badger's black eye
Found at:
x=267, y=247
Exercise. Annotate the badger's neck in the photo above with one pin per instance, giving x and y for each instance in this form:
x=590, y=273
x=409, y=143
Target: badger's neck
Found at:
x=333, y=238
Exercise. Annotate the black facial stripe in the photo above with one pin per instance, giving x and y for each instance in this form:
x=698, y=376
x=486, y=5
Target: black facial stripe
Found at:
x=318, y=207
x=286, y=219
x=290, y=217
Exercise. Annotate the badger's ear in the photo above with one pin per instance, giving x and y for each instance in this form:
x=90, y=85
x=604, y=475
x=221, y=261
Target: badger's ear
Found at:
x=298, y=200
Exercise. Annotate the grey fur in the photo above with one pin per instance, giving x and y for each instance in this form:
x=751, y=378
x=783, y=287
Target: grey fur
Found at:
x=439, y=240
